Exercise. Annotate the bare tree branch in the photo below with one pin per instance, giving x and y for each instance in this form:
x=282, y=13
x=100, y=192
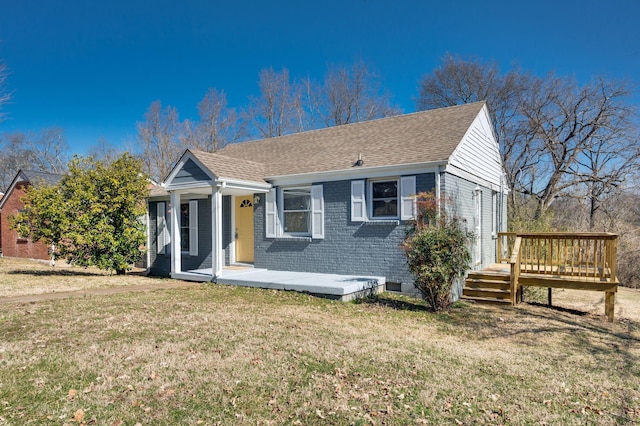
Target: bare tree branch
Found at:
x=159, y=140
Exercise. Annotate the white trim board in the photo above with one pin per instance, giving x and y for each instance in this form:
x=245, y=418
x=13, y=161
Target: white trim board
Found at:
x=357, y=173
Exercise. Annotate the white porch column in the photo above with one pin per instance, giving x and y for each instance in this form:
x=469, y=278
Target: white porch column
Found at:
x=217, y=257
x=176, y=252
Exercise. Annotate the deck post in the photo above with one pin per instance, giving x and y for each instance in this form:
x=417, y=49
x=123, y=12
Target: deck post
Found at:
x=515, y=271
x=609, y=305
x=549, y=296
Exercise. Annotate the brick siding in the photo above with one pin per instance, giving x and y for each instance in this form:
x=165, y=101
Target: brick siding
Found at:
x=12, y=244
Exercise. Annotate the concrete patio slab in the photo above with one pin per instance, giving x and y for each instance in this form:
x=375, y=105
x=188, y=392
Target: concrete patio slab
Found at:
x=334, y=286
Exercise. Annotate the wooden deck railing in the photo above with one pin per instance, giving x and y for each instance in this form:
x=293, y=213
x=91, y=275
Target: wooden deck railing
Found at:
x=569, y=254
x=505, y=246
x=584, y=261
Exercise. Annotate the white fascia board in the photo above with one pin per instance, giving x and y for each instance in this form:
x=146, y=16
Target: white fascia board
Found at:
x=159, y=198
x=485, y=110
x=357, y=173
x=189, y=186
x=246, y=185
x=472, y=178
x=221, y=183
x=20, y=177
x=185, y=157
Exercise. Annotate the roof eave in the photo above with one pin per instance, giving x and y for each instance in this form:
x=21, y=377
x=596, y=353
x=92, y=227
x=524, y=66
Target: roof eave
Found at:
x=358, y=172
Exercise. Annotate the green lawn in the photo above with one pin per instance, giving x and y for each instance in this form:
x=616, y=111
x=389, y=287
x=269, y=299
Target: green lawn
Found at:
x=215, y=354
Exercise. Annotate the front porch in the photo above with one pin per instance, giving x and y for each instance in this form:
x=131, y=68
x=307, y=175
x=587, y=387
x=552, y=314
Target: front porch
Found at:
x=580, y=261
x=338, y=287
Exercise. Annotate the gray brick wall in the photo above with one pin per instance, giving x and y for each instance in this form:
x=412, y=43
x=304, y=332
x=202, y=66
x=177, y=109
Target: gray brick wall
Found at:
x=347, y=248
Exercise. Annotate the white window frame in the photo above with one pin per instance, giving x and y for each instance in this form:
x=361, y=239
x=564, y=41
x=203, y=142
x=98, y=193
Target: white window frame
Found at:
x=163, y=236
x=274, y=213
x=370, y=183
x=282, y=210
x=192, y=205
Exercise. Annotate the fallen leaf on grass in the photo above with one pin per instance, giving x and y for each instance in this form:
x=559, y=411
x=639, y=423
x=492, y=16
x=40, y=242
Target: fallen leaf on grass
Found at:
x=72, y=393
x=79, y=415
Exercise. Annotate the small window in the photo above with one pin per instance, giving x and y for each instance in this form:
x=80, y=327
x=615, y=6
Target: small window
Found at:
x=296, y=210
x=184, y=227
x=384, y=199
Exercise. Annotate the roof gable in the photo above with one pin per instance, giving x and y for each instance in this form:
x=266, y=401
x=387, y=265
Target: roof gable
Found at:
x=478, y=152
x=32, y=177
x=198, y=167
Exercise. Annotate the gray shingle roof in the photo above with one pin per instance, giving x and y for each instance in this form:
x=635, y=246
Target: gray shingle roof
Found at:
x=231, y=167
x=421, y=137
x=37, y=178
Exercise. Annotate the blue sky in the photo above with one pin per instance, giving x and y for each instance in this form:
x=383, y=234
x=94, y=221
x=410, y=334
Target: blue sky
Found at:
x=93, y=67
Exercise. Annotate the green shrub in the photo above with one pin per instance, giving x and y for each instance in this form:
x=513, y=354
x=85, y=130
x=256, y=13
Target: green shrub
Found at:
x=436, y=251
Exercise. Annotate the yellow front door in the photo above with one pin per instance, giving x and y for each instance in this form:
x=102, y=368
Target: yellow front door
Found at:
x=244, y=229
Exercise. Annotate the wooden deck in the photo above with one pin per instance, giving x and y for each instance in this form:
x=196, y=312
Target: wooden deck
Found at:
x=580, y=261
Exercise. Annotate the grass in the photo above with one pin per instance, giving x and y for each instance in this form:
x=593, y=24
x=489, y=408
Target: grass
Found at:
x=215, y=354
x=19, y=277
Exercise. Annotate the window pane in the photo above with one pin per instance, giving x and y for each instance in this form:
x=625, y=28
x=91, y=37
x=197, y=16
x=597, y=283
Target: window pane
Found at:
x=385, y=208
x=184, y=215
x=297, y=199
x=297, y=222
x=385, y=189
x=184, y=239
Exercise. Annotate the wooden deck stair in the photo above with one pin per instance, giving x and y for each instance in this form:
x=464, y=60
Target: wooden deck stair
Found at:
x=487, y=287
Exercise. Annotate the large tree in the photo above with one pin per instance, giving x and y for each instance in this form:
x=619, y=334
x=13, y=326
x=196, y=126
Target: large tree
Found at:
x=92, y=216
x=352, y=94
x=218, y=124
x=159, y=139
x=276, y=111
x=553, y=132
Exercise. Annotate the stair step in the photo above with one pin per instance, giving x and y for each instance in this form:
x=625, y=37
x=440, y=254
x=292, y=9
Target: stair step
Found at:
x=477, y=283
x=487, y=300
x=486, y=275
x=489, y=293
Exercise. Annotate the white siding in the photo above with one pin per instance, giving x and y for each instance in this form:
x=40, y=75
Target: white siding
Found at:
x=478, y=152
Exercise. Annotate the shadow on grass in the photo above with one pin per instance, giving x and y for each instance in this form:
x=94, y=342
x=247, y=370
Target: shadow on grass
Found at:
x=394, y=302
x=559, y=309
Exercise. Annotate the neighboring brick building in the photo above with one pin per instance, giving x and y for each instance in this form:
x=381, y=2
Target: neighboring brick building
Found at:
x=10, y=204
